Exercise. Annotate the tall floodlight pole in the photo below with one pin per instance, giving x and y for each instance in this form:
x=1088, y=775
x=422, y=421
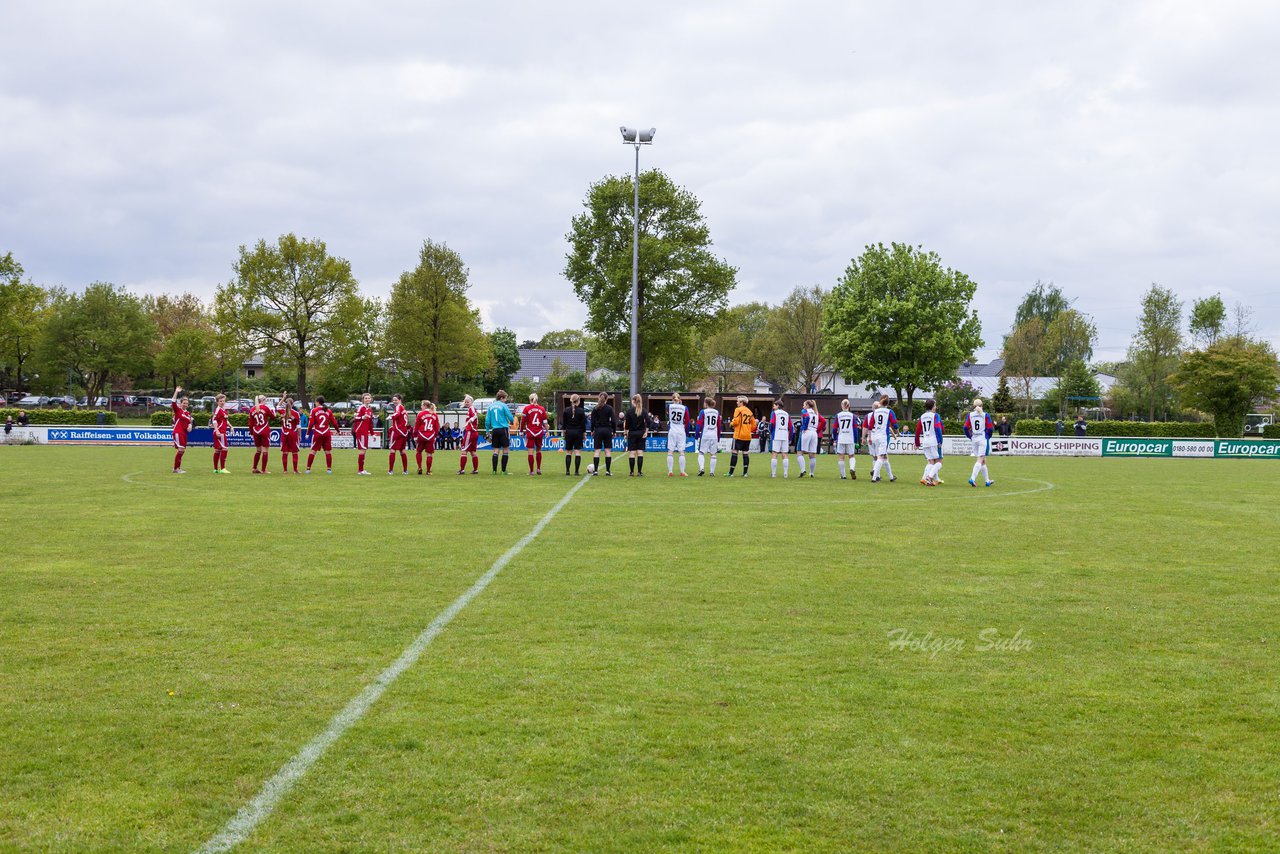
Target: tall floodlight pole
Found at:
x=636, y=137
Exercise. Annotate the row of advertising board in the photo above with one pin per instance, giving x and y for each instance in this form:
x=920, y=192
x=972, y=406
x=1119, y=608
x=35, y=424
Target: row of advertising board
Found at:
x=1019, y=446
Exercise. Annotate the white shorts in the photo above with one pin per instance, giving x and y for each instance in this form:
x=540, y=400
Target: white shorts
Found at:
x=809, y=442
x=709, y=443
x=675, y=440
x=980, y=446
x=877, y=447
x=930, y=451
x=780, y=444
x=846, y=448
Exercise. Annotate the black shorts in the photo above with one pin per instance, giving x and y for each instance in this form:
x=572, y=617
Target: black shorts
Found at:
x=635, y=441
x=500, y=437
x=743, y=445
x=603, y=440
x=573, y=440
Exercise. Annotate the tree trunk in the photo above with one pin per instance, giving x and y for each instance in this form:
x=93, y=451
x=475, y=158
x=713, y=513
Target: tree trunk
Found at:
x=435, y=382
x=911, y=396
x=302, y=378
x=426, y=386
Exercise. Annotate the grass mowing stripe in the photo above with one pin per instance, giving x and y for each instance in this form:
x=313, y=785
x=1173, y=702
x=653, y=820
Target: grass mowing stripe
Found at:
x=253, y=813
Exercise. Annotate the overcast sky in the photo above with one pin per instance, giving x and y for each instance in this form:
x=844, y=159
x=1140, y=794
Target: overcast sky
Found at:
x=1100, y=145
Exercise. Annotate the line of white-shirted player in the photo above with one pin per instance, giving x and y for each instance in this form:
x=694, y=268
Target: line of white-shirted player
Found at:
x=879, y=427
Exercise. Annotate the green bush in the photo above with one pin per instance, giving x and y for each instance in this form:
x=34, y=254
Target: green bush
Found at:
x=164, y=418
x=60, y=417
x=1271, y=431
x=1139, y=429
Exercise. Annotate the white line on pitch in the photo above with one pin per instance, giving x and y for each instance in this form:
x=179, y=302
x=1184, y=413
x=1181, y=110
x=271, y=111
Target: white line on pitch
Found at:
x=257, y=810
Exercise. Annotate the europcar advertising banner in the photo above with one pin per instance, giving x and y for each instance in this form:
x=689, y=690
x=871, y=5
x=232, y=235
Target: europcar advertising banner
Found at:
x=1119, y=447
x=1247, y=448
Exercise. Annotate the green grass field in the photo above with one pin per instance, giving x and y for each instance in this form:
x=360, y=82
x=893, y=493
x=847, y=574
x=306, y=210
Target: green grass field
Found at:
x=698, y=664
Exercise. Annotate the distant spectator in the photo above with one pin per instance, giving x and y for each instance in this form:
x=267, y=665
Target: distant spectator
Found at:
x=1082, y=427
x=23, y=418
x=1004, y=427
x=8, y=424
x=1059, y=427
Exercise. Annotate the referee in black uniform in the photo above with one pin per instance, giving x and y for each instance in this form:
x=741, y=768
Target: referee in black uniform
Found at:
x=636, y=422
x=603, y=423
x=573, y=421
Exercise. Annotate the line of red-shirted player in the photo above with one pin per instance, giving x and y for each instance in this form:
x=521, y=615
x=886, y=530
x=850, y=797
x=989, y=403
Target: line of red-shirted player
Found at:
x=425, y=429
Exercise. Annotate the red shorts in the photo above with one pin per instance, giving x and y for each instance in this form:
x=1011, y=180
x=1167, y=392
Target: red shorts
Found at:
x=533, y=443
x=397, y=440
x=361, y=440
x=321, y=443
x=425, y=444
x=219, y=441
x=289, y=443
x=262, y=440
x=469, y=442
x=180, y=441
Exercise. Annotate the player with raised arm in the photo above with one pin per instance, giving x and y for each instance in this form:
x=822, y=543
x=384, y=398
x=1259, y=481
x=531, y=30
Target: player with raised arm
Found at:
x=260, y=429
x=398, y=435
x=807, y=447
x=362, y=429
x=182, y=421
x=929, y=441
x=290, y=433
x=677, y=424
x=470, y=436
x=978, y=426
x=707, y=436
x=426, y=426
x=881, y=426
x=534, y=423
x=780, y=429
x=221, y=425
x=321, y=422
x=846, y=431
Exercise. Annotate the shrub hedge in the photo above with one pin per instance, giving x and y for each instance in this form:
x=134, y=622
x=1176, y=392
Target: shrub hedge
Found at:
x=1271, y=431
x=164, y=418
x=1159, y=429
x=60, y=417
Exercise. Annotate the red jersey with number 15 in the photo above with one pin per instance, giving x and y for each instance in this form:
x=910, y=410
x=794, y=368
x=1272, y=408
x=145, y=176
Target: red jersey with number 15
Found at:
x=290, y=421
x=535, y=421
x=321, y=422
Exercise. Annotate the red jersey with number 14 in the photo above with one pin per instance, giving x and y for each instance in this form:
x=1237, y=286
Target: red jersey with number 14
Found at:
x=535, y=421
x=426, y=425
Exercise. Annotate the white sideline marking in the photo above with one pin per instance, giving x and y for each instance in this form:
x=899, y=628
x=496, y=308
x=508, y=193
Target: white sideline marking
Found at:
x=257, y=810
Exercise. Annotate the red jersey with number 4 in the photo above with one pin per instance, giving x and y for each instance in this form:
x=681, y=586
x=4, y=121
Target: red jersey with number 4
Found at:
x=181, y=421
x=321, y=421
x=535, y=421
x=362, y=425
x=260, y=420
x=426, y=425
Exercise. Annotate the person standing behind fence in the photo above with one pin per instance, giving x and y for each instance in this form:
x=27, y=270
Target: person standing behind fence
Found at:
x=498, y=421
x=603, y=425
x=534, y=423
x=573, y=421
x=743, y=424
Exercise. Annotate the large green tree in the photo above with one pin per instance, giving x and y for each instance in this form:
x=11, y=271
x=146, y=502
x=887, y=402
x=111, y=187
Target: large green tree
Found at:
x=1044, y=301
x=24, y=308
x=432, y=328
x=1226, y=378
x=287, y=300
x=183, y=350
x=1153, y=353
x=506, y=359
x=1208, y=320
x=1024, y=357
x=358, y=348
x=98, y=335
x=900, y=319
x=683, y=286
x=1069, y=344
x=789, y=349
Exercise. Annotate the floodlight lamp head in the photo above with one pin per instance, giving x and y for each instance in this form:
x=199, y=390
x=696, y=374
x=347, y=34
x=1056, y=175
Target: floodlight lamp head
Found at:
x=637, y=136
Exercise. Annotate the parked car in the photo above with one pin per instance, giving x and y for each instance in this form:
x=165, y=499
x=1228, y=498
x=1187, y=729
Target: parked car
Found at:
x=122, y=400
x=13, y=396
x=164, y=402
x=34, y=400
x=341, y=406
x=65, y=400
